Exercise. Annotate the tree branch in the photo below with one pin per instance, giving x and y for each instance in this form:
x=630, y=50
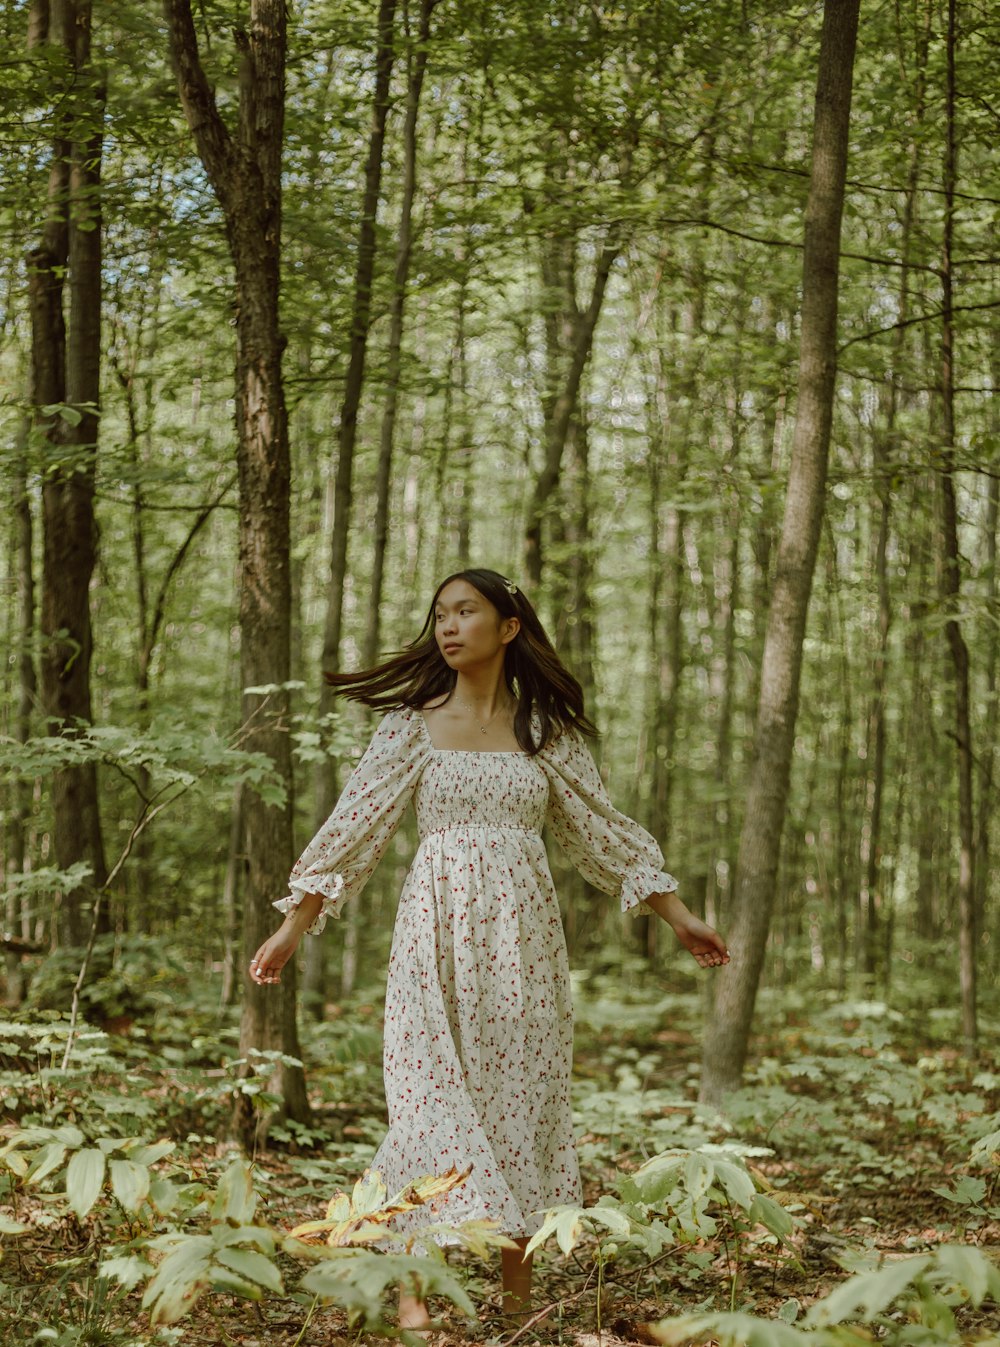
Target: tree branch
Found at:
x=909, y=322
x=211, y=135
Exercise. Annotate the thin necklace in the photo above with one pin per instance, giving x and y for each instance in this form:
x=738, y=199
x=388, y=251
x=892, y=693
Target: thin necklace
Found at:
x=472, y=711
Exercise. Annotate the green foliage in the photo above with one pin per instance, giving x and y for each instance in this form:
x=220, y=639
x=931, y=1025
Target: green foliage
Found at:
x=677, y=1198
x=187, y=1239
x=117, y=1166
x=177, y=756
x=927, y=1289
x=360, y=1282
x=235, y=1255
x=131, y=976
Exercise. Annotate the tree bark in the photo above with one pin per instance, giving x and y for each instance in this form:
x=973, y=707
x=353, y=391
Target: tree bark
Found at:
x=760, y=840
x=66, y=352
x=569, y=340
x=27, y=683
x=245, y=171
x=326, y=782
x=401, y=277
x=951, y=574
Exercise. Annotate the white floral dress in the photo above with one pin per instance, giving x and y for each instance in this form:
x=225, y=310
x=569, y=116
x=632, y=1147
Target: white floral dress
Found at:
x=478, y=1019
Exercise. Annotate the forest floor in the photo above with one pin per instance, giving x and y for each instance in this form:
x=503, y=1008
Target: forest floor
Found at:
x=859, y=1120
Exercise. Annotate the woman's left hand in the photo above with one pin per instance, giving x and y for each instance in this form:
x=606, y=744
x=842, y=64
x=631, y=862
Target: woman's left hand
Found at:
x=705, y=944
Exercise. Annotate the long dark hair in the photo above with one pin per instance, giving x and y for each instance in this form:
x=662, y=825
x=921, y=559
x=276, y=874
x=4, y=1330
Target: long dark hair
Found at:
x=549, y=699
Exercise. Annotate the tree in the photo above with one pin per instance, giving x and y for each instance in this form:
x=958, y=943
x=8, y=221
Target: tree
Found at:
x=245, y=172
x=65, y=379
x=951, y=575
x=760, y=839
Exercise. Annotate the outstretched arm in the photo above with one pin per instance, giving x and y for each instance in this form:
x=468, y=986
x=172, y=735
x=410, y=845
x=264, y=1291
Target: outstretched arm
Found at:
x=705, y=944
x=277, y=949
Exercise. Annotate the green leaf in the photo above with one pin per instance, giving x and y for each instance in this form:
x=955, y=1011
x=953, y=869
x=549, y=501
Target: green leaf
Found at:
x=369, y=1194
x=566, y=1223
x=772, y=1215
x=235, y=1200
x=84, y=1177
x=108, y=1145
x=128, y=1270
x=985, y=1149
x=46, y=1160
x=698, y=1175
x=129, y=1183
x=180, y=1280
x=969, y=1191
x=148, y=1154
x=224, y=1236
x=730, y=1330
x=253, y=1266
x=737, y=1183
x=612, y=1218
x=359, y=1280
x=969, y=1269
x=867, y=1293
x=164, y=1195
x=657, y=1179
x=9, y=1227
x=71, y=415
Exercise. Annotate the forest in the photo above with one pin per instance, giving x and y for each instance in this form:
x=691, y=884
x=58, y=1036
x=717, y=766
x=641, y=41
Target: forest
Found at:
x=682, y=316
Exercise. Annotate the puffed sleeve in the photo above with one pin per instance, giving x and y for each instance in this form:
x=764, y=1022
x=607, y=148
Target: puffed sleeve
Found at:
x=609, y=849
x=342, y=857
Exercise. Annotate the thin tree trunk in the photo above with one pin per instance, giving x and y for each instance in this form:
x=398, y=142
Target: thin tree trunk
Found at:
x=760, y=841
x=872, y=906
x=17, y=850
x=401, y=277
x=66, y=350
x=231, y=905
x=951, y=575
x=326, y=774
x=988, y=755
x=245, y=172
x=567, y=354
x=870, y=898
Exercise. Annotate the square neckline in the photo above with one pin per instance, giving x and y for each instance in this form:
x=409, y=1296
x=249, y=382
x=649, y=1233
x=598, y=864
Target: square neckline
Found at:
x=477, y=752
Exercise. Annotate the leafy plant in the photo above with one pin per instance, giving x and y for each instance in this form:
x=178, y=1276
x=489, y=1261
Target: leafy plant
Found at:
x=926, y=1289
x=119, y=1165
x=234, y=1255
x=676, y=1198
x=129, y=976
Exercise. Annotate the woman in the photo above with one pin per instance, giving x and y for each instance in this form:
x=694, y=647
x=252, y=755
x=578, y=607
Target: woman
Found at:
x=485, y=731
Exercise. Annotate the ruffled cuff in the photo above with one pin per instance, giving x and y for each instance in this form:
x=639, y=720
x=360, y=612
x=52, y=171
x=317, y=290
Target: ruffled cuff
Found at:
x=331, y=886
x=639, y=883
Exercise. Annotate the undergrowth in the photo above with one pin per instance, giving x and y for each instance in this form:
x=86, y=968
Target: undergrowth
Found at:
x=849, y=1193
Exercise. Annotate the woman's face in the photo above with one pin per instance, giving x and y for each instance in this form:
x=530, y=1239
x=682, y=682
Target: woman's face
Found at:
x=468, y=629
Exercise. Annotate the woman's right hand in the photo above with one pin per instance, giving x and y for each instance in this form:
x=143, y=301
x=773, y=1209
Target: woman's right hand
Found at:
x=270, y=959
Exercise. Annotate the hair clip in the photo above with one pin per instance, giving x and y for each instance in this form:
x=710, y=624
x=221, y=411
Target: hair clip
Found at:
x=510, y=587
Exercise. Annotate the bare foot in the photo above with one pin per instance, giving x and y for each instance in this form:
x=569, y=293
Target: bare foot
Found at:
x=413, y=1313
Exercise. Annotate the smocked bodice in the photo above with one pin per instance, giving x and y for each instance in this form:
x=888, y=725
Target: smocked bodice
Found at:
x=480, y=790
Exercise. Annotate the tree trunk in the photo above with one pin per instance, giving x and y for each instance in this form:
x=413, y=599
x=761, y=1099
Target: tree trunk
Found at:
x=951, y=576
x=569, y=340
x=17, y=850
x=354, y=383
x=66, y=351
x=988, y=757
x=231, y=904
x=760, y=840
x=401, y=277
x=872, y=907
x=245, y=172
